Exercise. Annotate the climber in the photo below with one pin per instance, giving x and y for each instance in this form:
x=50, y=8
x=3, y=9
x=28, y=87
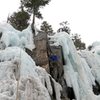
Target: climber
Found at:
x=54, y=58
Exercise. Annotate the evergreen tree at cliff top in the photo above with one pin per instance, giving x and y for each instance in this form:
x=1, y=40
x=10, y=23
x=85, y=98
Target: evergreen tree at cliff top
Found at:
x=64, y=27
x=33, y=6
x=75, y=37
x=77, y=42
x=46, y=28
x=19, y=20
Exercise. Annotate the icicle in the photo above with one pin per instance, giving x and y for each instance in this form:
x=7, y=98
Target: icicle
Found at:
x=48, y=83
x=58, y=89
x=45, y=79
x=16, y=70
x=28, y=90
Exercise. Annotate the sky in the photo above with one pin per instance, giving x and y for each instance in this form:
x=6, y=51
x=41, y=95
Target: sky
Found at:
x=83, y=16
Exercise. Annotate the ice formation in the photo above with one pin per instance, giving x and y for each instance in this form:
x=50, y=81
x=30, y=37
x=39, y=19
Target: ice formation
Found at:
x=81, y=69
x=21, y=78
x=19, y=72
x=12, y=37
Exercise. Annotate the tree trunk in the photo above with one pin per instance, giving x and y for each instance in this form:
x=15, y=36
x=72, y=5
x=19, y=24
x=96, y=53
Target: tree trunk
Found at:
x=33, y=23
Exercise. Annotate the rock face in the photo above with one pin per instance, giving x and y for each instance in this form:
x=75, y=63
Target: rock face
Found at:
x=56, y=63
x=40, y=52
x=50, y=58
x=45, y=55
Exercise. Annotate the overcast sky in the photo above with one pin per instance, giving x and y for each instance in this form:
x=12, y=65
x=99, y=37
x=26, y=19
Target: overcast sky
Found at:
x=83, y=15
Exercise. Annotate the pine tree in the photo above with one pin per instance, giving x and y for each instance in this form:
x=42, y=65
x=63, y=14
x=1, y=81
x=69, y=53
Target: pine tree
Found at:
x=46, y=28
x=77, y=42
x=33, y=6
x=19, y=20
x=64, y=27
